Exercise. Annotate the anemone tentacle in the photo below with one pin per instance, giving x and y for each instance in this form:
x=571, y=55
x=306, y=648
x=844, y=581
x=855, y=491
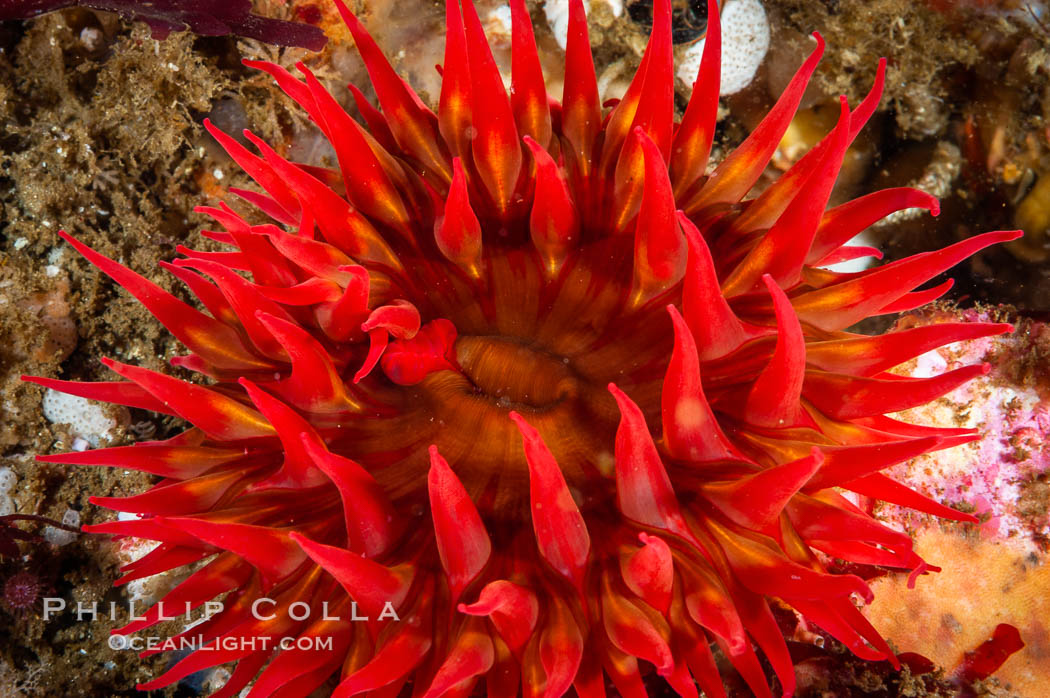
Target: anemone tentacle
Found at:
x=530, y=375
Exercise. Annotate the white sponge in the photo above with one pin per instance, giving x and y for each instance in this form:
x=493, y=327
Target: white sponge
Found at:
x=60, y=536
x=557, y=12
x=89, y=420
x=8, y=480
x=745, y=40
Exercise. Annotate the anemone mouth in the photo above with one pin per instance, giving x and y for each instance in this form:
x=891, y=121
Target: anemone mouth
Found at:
x=545, y=346
x=516, y=374
x=500, y=375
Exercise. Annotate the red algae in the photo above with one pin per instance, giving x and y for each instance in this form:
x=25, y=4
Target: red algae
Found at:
x=205, y=17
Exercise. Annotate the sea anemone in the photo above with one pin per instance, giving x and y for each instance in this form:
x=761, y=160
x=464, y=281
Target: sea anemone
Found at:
x=22, y=592
x=527, y=388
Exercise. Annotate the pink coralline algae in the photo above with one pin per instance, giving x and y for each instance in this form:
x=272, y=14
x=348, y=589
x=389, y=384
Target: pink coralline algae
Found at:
x=997, y=576
x=1001, y=478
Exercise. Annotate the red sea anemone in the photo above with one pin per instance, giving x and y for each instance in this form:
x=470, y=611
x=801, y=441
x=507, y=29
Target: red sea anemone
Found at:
x=523, y=370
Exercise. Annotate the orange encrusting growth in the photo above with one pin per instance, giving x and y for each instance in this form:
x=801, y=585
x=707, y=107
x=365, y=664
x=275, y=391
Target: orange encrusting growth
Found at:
x=524, y=371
